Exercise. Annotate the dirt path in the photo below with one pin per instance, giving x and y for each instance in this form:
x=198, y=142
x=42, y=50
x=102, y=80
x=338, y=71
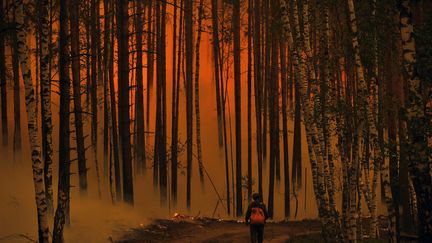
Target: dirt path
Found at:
x=210, y=230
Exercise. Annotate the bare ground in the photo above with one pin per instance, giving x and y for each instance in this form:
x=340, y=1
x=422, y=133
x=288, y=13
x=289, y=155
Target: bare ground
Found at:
x=214, y=231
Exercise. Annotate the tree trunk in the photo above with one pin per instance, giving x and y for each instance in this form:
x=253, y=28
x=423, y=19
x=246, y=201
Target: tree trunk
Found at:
x=330, y=224
x=114, y=128
x=417, y=154
x=106, y=57
x=95, y=79
x=3, y=83
x=123, y=100
x=216, y=53
x=284, y=81
x=370, y=114
x=150, y=61
x=161, y=102
x=189, y=95
x=249, y=102
x=139, y=97
x=258, y=91
x=76, y=80
x=45, y=80
x=197, y=106
x=63, y=198
x=17, y=99
x=175, y=98
x=237, y=95
x=41, y=206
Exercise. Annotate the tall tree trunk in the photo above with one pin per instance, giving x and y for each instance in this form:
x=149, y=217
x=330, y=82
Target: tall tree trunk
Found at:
x=273, y=102
x=88, y=58
x=150, y=55
x=17, y=97
x=297, y=147
x=249, y=102
x=419, y=163
x=266, y=52
x=158, y=106
x=189, y=95
x=197, y=106
x=123, y=100
x=175, y=100
x=114, y=128
x=3, y=86
x=76, y=81
x=45, y=80
x=227, y=178
x=237, y=95
x=63, y=198
x=41, y=206
x=216, y=53
x=258, y=91
x=161, y=102
x=95, y=79
x=139, y=97
x=284, y=81
x=106, y=57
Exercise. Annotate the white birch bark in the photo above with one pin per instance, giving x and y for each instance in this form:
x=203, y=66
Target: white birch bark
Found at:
x=30, y=101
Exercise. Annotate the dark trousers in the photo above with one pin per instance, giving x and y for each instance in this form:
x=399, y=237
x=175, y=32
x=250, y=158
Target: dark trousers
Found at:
x=257, y=233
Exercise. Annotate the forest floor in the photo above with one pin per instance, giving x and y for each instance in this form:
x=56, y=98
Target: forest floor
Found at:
x=213, y=230
x=209, y=230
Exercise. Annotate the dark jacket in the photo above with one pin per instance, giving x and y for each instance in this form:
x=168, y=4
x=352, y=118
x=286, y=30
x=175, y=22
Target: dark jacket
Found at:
x=255, y=204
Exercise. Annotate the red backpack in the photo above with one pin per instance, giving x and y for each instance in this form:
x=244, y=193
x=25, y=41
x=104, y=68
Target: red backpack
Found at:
x=257, y=216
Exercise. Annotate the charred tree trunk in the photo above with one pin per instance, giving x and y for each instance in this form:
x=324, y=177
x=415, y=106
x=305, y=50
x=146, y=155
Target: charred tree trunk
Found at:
x=95, y=79
x=284, y=81
x=216, y=51
x=249, y=102
x=237, y=91
x=76, y=81
x=123, y=100
x=189, y=96
x=175, y=98
x=297, y=146
x=161, y=101
x=258, y=91
x=197, y=104
x=3, y=86
x=114, y=128
x=17, y=99
x=63, y=198
x=139, y=96
x=106, y=56
x=150, y=56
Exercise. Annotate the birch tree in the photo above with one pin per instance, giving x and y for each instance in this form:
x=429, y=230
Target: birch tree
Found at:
x=417, y=152
x=30, y=100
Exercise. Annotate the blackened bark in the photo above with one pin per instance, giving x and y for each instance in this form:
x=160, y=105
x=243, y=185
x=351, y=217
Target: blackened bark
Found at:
x=3, y=86
x=76, y=80
x=61, y=214
x=189, y=96
x=123, y=100
x=237, y=91
x=139, y=96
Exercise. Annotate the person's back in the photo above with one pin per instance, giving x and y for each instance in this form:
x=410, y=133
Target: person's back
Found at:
x=256, y=216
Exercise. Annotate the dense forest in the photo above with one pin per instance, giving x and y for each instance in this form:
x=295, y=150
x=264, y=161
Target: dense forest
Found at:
x=331, y=96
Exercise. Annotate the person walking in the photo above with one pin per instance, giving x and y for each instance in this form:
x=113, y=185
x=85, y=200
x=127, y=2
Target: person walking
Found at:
x=256, y=216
